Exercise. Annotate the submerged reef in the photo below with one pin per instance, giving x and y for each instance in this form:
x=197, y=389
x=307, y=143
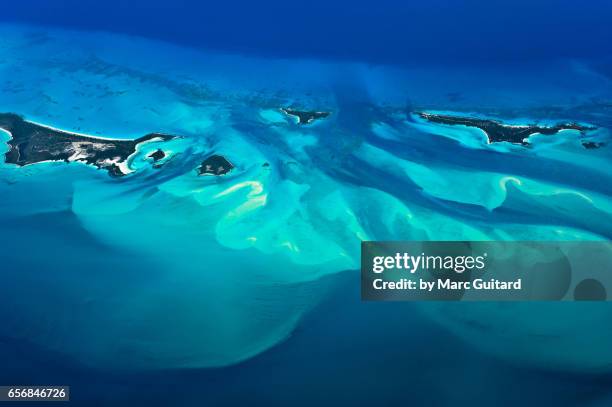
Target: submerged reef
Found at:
x=32, y=143
x=590, y=145
x=497, y=131
x=305, y=116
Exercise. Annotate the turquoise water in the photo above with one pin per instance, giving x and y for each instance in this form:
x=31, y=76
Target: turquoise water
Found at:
x=164, y=269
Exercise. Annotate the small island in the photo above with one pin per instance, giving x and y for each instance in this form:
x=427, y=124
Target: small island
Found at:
x=497, y=131
x=32, y=143
x=157, y=155
x=303, y=116
x=215, y=165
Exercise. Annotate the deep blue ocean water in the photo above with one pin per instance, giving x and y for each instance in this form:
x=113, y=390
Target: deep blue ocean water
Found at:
x=386, y=31
x=167, y=289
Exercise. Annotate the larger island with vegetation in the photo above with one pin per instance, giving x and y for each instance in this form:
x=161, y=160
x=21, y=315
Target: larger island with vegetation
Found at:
x=32, y=143
x=497, y=131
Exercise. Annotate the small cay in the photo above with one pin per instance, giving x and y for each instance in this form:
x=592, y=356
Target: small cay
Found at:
x=157, y=155
x=215, y=165
x=304, y=116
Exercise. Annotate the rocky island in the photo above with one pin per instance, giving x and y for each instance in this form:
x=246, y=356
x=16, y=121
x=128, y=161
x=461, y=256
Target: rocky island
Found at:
x=303, y=116
x=215, y=165
x=32, y=143
x=497, y=131
x=157, y=155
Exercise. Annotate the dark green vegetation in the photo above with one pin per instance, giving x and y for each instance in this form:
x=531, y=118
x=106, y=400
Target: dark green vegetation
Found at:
x=32, y=143
x=157, y=155
x=497, y=131
x=215, y=165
